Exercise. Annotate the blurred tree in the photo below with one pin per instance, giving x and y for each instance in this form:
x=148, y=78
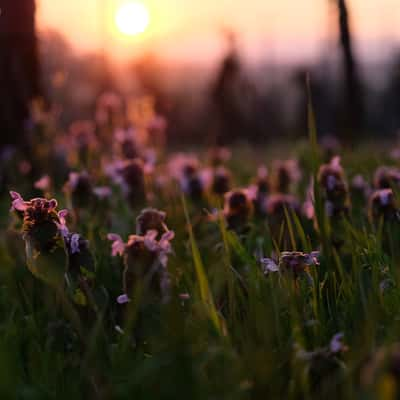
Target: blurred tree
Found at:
x=232, y=97
x=19, y=68
x=352, y=109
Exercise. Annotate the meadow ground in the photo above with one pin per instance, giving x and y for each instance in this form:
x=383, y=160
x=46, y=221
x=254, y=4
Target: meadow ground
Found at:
x=281, y=289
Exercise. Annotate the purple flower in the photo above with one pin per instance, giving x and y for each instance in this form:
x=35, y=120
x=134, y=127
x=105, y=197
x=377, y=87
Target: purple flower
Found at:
x=74, y=243
x=382, y=203
x=123, y=299
x=268, y=265
x=62, y=215
x=384, y=196
x=295, y=262
x=336, y=344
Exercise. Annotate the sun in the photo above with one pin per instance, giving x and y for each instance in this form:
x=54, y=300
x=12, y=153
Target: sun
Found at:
x=132, y=18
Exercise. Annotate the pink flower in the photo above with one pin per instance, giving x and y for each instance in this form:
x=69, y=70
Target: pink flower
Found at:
x=206, y=177
x=73, y=180
x=150, y=240
x=43, y=183
x=335, y=163
x=24, y=167
x=262, y=172
x=118, y=246
x=18, y=203
x=102, y=192
x=308, y=209
x=358, y=182
x=162, y=247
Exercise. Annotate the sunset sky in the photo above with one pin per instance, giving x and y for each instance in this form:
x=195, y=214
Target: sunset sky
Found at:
x=191, y=29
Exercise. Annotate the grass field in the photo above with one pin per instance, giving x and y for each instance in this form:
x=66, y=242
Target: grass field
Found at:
x=216, y=301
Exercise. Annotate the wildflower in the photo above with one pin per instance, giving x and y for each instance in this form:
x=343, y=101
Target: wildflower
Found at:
x=127, y=143
x=262, y=181
x=278, y=207
x=118, y=245
x=43, y=183
x=44, y=229
x=382, y=204
x=324, y=363
x=360, y=187
x=82, y=135
x=74, y=243
x=145, y=261
x=108, y=108
x=81, y=263
x=151, y=219
x=276, y=204
x=260, y=190
x=293, y=262
x=79, y=187
x=358, y=182
x=37, y=211
x=219, y=156
x=157, y=127
x=335, y=192
x=285, y=173
x=102, y=192
x=132, y=177
x=123, y=299
x=238, y=209
x=221, y=181
x=25, y=167
x=62, y=224
x=268, y=265
x=385, y=285
x=330, y=146
x=336, y=344
x=386, y=177
x=186, y=170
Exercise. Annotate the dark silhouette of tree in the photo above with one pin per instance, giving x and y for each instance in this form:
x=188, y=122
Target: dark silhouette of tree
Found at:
x=19, y=68
x=352, y=108
x=231, y=96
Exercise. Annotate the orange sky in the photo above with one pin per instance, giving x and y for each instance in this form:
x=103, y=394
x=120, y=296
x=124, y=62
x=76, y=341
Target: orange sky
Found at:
x=190, y=29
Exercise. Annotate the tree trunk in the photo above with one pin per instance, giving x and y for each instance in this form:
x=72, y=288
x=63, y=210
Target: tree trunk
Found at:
x=352, y=106
x=19, y=69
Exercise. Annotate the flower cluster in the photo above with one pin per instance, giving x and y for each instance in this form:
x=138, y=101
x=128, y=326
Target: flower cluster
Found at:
x=382, y=204
x=238, y=209
x=145, y=256
x=334, y=187
x=294, y=263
